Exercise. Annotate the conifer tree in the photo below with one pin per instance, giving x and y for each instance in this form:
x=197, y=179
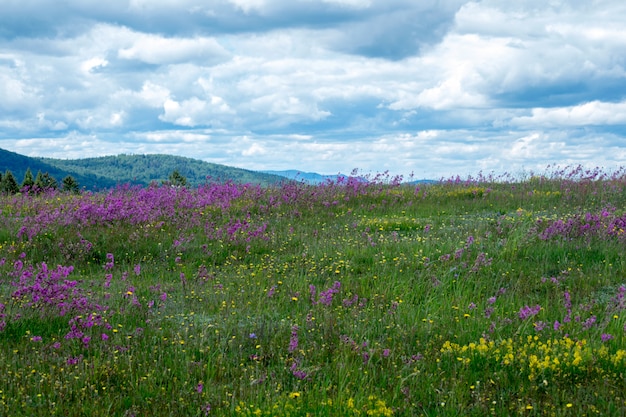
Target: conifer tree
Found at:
x=9, y=185
x=29, y=181
x=177, y=179
x=70, y=184
x=45, y=182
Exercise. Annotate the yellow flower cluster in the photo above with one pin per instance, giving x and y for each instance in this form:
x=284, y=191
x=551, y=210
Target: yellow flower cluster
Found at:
x=536, y=357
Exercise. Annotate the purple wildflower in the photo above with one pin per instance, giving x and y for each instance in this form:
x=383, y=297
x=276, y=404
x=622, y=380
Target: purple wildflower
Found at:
x=271, y=291
x=293, y=341
x=526, y=311
x=606, y=337
x=587, y=324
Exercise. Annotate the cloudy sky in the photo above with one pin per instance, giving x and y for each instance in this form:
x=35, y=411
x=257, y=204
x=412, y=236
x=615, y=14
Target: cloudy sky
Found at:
x=433, y=87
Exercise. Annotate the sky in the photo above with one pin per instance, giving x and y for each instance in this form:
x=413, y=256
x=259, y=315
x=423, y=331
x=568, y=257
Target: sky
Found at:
x=432, y=88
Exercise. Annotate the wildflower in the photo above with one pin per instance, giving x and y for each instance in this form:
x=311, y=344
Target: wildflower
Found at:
x=109, y=265
x=606, y=337
x=199, y=388
x=294, y=395
x=300, y=374
x=386, y=353
x=36, y=339
x=271, y=291
x=137, y=269
x=104, y=337
x=526, y=312
x=587, y=324
x=74, y=360
x=312, y=291
x=86, y=340
x=326, y=296
x=293, y=341
x=568, y=300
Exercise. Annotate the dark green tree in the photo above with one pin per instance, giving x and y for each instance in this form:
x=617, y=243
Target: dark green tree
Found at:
x=45, y=182
x=9, y=185
x=177, y=179
x=29, y=181
x=70, y=185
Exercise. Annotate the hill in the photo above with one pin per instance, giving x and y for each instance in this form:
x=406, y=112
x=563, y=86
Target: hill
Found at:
x=107, y=171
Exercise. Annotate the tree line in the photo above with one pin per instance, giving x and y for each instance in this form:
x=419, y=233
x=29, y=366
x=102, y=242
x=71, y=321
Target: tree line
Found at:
x=35, y=184
x=44, y=181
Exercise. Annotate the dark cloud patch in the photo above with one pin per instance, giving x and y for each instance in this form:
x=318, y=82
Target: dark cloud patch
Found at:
x=392, y=30
x=560, y=93
x=395, y=35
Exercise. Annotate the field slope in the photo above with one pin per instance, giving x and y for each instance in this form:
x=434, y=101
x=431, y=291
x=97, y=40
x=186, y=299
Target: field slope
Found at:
x=466, y=297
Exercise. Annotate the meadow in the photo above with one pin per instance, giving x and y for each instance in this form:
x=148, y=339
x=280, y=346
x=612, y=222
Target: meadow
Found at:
x=472, y=296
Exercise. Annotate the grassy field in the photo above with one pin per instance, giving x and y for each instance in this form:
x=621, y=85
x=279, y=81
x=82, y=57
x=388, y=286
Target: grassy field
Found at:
x=480, y=296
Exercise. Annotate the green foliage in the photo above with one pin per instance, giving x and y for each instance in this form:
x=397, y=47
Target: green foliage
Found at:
x=70, y=184
x=29, y=180
x=45, y=181
x=177, y=180
x=8, y=185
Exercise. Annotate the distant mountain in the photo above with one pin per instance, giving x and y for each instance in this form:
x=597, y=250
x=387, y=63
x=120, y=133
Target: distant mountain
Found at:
x=314, y=178
x=108, y=171
x=307, y=177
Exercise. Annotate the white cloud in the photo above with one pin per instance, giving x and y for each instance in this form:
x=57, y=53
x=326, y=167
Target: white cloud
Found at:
x=439, y=86
x=194, y=111
x=255, y=149
x=153, y=95
x=592, y=113
x=14, y=93
x=93, y=64
x=154, y=49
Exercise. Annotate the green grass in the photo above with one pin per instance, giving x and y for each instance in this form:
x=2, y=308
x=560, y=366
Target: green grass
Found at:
x=425, y=319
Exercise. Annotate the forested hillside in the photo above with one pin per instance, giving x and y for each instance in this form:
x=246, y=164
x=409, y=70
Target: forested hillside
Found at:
x=144, y=169
x=18, y=165
x=107, y=171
